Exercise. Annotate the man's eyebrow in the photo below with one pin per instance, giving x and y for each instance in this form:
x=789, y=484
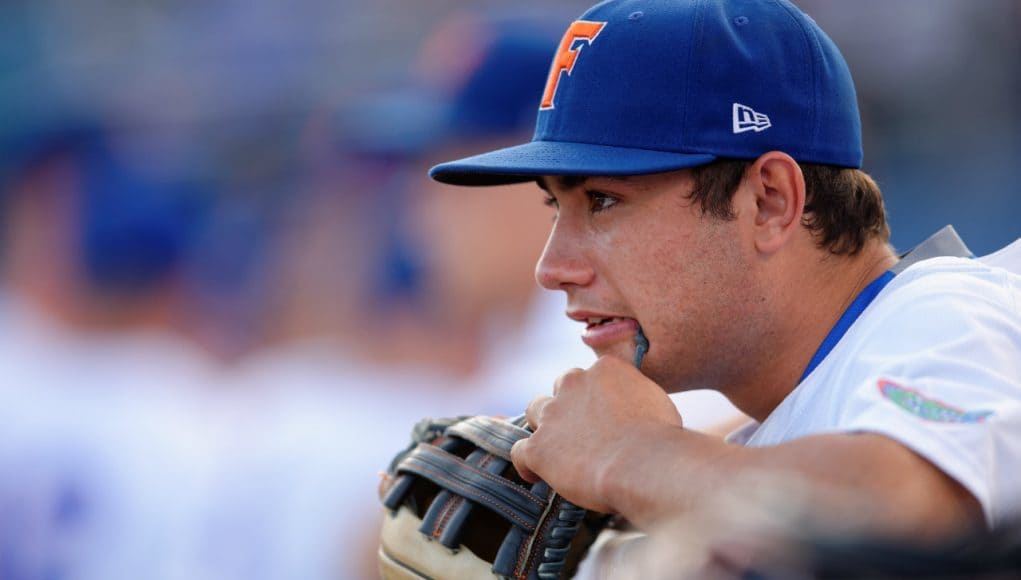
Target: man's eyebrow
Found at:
x=564, y=181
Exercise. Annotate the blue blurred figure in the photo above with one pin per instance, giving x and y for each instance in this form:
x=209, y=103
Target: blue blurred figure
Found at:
x=95, y=360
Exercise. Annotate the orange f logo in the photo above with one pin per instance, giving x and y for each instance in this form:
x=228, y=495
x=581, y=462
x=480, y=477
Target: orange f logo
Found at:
x=567, y=54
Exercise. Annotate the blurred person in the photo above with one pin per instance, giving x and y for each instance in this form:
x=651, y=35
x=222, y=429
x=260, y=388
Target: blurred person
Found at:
x=98, y=410
x=127, y=449
x=471, y=305
x=475, y=303
x=411, y=293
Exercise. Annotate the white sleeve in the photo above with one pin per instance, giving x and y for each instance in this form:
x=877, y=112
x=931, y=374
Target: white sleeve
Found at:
x=950, y=389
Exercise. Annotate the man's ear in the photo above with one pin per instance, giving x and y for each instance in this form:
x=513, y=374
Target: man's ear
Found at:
x=778, y=185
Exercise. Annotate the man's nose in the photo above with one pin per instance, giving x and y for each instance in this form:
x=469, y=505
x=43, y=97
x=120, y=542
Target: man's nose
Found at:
x=562, y=264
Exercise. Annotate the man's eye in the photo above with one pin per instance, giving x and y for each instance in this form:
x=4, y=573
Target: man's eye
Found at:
x=550, y=201
x=600, y=201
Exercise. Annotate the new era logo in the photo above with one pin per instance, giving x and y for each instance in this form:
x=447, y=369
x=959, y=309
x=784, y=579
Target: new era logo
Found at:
x=746, y=119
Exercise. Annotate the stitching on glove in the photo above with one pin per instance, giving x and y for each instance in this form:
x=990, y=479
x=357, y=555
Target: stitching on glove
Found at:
x=447, y=511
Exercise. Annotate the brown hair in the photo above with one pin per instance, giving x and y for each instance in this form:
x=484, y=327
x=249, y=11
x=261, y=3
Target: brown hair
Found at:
x=843, y=207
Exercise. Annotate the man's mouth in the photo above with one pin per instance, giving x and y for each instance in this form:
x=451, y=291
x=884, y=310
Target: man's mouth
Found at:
x=596, y=321
x=602, y=331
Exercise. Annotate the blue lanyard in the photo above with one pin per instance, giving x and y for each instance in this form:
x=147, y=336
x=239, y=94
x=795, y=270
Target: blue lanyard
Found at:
x=847, y=319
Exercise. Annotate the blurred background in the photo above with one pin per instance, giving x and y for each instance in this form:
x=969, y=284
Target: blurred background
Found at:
x=228, y=290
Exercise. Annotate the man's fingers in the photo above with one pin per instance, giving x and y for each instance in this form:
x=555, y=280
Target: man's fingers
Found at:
x=519, y=453
x=534, y=411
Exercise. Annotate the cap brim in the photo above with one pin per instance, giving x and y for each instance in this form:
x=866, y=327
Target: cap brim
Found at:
x=527, y=162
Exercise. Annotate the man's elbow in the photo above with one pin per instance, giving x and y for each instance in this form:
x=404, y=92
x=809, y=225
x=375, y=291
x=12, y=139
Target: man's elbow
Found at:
x=923, y=503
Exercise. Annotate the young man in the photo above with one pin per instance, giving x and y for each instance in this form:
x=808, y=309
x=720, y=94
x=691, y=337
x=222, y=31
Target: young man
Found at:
x=703, y=160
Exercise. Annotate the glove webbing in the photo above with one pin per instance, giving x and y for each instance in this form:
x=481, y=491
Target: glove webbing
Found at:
x=459, y=476
x=447, y=514
x=476, y=480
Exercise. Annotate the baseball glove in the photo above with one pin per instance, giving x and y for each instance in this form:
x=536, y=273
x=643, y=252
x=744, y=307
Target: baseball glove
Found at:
x=458, y=509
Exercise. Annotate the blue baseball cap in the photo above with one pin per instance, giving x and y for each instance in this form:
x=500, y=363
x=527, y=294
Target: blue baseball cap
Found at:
x=647, y=86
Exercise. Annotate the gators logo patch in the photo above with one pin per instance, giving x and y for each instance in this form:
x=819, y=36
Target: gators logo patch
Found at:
x=929, y=409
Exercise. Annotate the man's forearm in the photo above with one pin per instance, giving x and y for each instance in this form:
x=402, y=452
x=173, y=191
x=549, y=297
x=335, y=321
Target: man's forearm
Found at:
x=869, y=479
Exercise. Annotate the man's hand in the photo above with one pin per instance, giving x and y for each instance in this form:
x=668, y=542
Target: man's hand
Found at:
x=598, y=420
x=610, y=440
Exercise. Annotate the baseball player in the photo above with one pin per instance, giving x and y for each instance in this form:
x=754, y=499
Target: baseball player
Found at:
x=702, y=161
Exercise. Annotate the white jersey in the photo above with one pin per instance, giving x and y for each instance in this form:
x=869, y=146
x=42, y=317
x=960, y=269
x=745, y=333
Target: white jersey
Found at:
x=934, y=362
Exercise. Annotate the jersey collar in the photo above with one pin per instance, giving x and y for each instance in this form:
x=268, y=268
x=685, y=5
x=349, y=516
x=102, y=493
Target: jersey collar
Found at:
x=861, y=302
